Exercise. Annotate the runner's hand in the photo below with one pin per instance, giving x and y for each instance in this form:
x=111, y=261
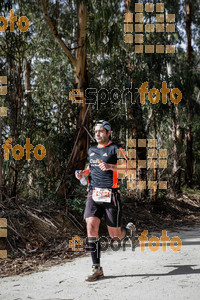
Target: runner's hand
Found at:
x=104, y=166
x=79, y=175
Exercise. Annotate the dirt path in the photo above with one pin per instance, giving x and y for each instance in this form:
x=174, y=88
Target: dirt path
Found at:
x=128, y=275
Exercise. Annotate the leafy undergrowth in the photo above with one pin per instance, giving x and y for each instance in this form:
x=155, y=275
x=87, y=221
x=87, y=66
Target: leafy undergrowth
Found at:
x=38, y=237
x=166, y=213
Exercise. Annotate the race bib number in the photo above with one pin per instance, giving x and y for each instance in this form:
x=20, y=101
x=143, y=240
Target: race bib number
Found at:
x=102, y=195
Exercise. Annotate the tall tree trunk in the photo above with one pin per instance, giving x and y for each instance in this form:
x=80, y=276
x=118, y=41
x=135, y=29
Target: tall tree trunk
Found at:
x=177, y=150
x=155, y=170
x=1, y=162
x=81, y=82
x=28, y=95
x=188, y=30
x=189, y=150
x=27, y=77
x=189, y=156
x=177, y=136
x=79, y=152
x=15, y=120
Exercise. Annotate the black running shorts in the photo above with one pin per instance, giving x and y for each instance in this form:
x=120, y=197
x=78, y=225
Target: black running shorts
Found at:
x=111, y=210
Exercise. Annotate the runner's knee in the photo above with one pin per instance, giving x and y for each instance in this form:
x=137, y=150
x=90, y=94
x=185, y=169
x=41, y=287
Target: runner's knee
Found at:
x=92, y=229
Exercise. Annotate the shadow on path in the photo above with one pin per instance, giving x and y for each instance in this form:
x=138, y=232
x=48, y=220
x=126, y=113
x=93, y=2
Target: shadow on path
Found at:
x=180, y=270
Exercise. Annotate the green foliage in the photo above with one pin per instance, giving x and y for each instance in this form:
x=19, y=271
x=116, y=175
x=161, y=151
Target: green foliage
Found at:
x=78, y=198
x=52, y=120
x=194, y=191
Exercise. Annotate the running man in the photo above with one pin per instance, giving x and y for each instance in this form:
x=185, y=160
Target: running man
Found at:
x=103, y=196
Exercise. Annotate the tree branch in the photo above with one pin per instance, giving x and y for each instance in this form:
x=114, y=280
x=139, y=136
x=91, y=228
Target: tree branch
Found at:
x=57, y=36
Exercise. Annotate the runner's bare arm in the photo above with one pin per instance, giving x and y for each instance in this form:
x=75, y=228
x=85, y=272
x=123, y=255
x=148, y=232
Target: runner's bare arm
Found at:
x=122, y=167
